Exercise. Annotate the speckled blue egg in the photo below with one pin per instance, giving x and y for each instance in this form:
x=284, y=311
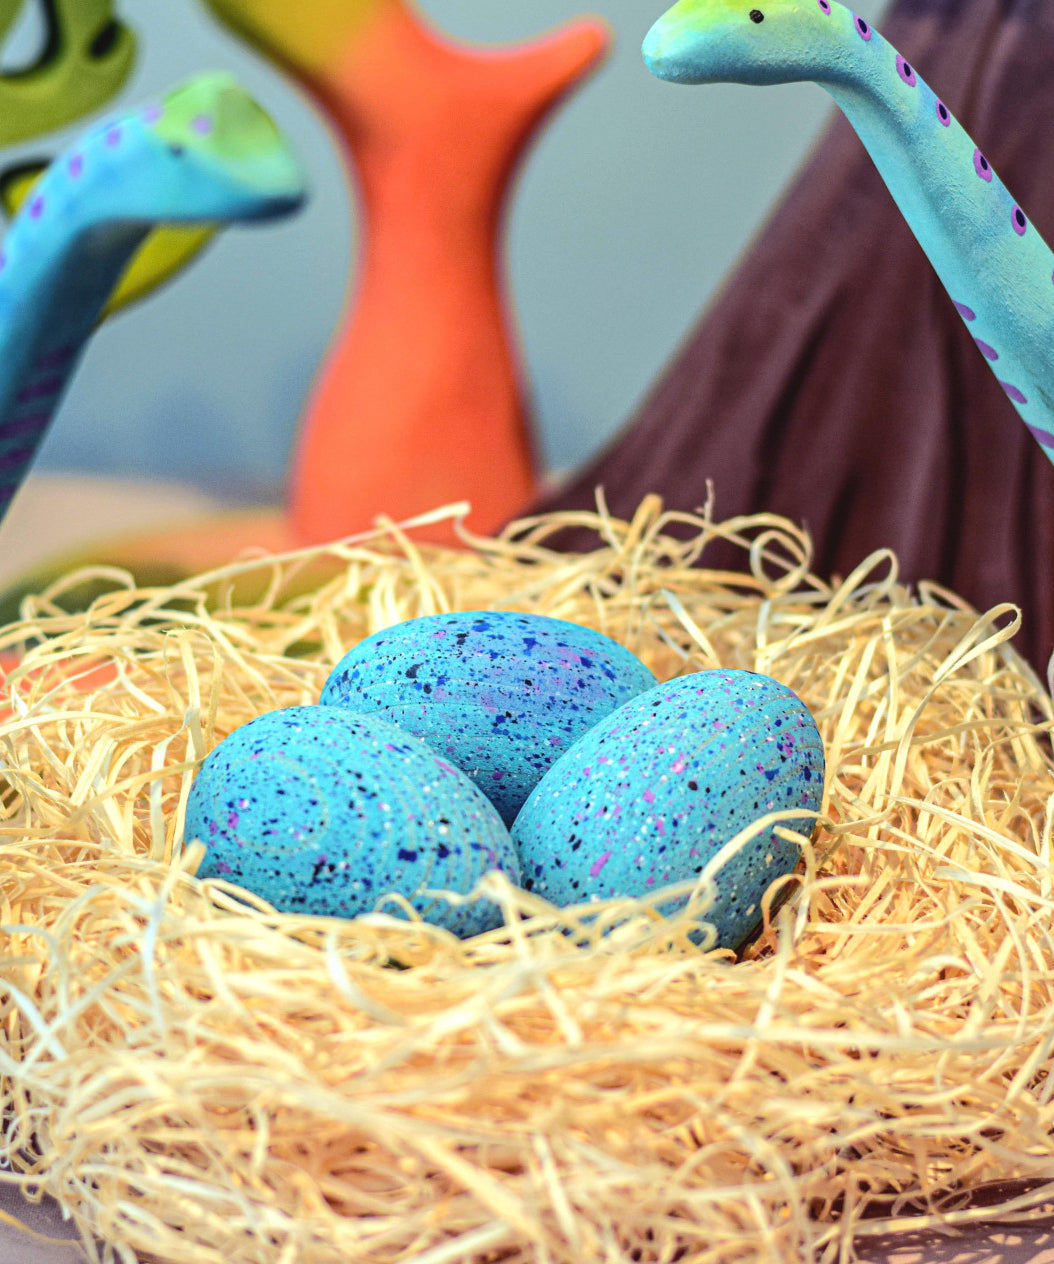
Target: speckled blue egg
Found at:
x=502, y=695
x=322, y=811
x=650, y=794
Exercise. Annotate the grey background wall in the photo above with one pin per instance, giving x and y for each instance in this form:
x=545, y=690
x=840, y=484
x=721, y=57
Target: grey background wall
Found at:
x=626, y=217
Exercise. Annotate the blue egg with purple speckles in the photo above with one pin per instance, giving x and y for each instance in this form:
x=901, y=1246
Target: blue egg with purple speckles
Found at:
x=647, y=797
x=501, y=694
x=322, y=811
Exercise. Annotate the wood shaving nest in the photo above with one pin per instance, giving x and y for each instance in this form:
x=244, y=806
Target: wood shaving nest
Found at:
x=200, y=1080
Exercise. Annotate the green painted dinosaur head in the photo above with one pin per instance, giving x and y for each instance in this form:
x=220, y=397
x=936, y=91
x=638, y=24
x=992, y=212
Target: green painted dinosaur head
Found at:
x=222, y=156
x=747, y=41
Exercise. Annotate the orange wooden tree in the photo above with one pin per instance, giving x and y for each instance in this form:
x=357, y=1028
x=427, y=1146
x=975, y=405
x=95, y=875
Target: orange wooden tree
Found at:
x=420, y=401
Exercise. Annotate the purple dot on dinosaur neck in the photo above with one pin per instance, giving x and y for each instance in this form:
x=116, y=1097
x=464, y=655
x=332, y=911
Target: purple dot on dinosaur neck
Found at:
x=825, y=5
x=36, y=208
x=905, y=71
x=1013, y=392
x=967, y=313
x=943, y=114
x=862, y=28
x=1020, y=223
x=1044, y=436
x=981, y=166
x=153, y=113
x=988, y=352
x=203, y=125
x=3, y=261
x=76, y=166
x=113, y=136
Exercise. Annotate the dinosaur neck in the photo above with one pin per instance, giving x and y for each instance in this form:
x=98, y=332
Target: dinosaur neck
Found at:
x=993, y=263
x=61, y=262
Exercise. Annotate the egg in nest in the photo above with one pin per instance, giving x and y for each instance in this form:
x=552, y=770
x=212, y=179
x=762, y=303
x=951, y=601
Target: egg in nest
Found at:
x=650, y=794
x=322, y=811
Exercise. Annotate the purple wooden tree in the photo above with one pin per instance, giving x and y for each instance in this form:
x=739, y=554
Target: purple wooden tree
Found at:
x=832, y=380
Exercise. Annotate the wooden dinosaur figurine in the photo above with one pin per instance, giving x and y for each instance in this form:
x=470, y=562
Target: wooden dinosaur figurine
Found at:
x=206, y=152
x=996, y=268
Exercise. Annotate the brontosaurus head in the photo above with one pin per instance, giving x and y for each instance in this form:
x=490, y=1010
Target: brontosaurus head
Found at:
x=749, y=41
x=216, y=155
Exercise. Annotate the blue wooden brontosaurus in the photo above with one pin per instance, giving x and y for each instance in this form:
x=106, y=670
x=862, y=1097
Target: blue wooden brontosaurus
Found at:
x=995, y=266
x=206, y=152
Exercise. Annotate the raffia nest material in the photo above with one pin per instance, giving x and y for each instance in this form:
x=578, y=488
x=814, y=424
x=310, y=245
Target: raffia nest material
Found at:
x=200, y=1080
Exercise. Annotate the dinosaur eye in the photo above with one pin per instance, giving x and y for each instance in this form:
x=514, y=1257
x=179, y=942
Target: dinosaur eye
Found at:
x=105, y=39
x=177, y=151
x=756, y=15
x=825, y=5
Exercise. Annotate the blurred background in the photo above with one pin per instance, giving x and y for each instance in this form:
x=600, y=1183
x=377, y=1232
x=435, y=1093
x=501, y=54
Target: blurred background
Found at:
x=626, y=216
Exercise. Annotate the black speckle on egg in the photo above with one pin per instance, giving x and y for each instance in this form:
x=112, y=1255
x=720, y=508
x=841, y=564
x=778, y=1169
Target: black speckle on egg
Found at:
x=500, y=694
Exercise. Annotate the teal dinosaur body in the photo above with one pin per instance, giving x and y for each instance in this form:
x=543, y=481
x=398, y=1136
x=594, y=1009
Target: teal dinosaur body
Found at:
x=996, y=268
x=207, y=152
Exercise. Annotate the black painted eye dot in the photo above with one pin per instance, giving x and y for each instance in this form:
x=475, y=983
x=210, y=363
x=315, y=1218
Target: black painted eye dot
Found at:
x=105, y=39
x=177, y=151
x=756, y=15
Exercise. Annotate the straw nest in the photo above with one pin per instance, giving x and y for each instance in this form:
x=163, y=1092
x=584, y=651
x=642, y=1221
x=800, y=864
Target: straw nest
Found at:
x=199, y=1079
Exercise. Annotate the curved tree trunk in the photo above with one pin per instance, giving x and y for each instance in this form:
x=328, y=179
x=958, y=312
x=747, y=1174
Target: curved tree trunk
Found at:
x=832, y=380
